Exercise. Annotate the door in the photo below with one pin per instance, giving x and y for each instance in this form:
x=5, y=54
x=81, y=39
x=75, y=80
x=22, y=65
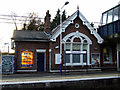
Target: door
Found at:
x=40, y=62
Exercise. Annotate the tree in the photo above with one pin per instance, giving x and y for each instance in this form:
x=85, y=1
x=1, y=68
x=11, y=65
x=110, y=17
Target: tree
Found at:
x=56, y=20
x=64, y=16
x=34, y=23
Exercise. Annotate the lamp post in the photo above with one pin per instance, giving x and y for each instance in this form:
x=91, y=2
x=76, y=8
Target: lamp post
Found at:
x=61, y=37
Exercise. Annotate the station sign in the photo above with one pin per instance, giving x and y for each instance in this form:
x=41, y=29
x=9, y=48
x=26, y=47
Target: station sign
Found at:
x=76, y=52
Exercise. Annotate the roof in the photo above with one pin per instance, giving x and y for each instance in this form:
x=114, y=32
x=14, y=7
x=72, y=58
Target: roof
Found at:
x=56, y=32
x=22, y=35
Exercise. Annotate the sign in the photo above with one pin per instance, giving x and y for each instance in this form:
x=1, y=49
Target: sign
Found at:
x=26, y=59
x=7, y=64
x=95, y=59
x=75, y=52
x=57, y=59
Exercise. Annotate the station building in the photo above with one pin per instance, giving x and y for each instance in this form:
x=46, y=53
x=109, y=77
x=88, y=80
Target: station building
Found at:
x=39, y=51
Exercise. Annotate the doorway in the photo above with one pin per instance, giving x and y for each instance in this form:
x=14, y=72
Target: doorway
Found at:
x=40, y=62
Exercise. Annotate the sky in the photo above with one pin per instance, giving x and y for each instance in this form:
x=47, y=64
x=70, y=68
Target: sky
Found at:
x=91, y=9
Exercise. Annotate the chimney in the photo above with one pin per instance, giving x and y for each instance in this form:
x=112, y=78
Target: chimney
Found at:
x=47, y=23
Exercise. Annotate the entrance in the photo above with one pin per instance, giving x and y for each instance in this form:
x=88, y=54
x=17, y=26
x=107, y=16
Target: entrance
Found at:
x=40, y=62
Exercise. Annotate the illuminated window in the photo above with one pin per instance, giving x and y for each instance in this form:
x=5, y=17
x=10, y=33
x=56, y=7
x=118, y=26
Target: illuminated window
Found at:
x=107, y=55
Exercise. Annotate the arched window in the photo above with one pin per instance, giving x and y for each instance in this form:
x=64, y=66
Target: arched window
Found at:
x=76, y=46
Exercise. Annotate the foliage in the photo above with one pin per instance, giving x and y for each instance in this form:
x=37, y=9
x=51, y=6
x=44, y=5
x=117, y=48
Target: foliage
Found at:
x=56, y=20
x=34, y=23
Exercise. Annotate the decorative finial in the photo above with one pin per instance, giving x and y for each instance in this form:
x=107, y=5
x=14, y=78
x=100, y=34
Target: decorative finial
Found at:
x=77, y=7
x=77, y=10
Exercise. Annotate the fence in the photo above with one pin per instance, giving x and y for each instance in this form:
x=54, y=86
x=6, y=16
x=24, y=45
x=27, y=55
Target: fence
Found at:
x=7, y=63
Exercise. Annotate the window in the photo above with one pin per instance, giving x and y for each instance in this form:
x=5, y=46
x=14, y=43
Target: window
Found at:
x=76, y=58
x=67, y=58
x=115, y=14
x=67, y=46
x=110, y=14
x=85, y=46
x=77, y=50
x=107, y=55
x=104, y=18
x=76, y=47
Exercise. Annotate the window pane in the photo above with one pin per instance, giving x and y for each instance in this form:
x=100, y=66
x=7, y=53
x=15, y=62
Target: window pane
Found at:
x=76, y=47
x=67, y=46
x=104, y=18
x=115, y=13
x=76, y=58
x=107, y=54
x=110, y=16
x=85, y=47
x=84, y=58
x=67, y=58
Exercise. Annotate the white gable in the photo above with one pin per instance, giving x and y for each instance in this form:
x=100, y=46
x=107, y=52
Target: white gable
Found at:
x=56, y=32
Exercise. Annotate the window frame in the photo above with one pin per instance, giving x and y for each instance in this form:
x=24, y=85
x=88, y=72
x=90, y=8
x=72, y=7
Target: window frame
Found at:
x=81, y=54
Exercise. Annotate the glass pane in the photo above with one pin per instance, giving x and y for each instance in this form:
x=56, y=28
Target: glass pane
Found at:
x=104, y=18
x=107, y=54
x=67, y=46
x=110, y=29
x=85, y=46
x=76, y=47
x=76, y=58
x=67, y=58
x=84, y=58
x=115, y=13
x=110, y=14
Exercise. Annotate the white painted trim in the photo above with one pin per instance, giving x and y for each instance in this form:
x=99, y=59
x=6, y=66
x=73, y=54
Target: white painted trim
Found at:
x=67, y=22
x=50, y=51
x=43, y=51
x=40, y=50
x=118, y=58
x=78, y=35
x=88, y=54
x=26, y=70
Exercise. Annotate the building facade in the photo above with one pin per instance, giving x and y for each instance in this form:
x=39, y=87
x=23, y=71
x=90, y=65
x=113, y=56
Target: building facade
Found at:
x=110, y=32
x=39, y=51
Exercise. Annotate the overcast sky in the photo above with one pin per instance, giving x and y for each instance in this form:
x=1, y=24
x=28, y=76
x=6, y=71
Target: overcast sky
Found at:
x=91, y=9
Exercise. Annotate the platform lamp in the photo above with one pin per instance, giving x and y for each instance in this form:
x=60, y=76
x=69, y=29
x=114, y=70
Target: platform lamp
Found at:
x=61, y=37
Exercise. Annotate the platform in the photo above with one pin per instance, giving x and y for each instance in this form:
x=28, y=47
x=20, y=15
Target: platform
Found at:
x=47, y=79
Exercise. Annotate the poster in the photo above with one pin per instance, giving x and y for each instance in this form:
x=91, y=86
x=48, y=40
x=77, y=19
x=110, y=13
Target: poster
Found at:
x=57, y=59
x=95, y=59
x=26, y=59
